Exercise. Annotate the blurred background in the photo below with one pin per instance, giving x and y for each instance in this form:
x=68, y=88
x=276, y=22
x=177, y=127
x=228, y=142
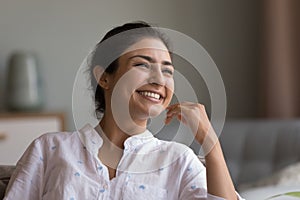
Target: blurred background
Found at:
x=254, y=43
x=61, y=33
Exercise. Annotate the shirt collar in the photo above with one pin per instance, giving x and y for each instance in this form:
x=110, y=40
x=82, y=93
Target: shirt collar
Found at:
x=90, y=139
x=139, y=139
x=93, y=141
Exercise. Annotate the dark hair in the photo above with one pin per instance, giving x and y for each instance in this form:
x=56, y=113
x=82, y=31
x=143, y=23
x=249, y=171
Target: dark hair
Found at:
x=112, y=46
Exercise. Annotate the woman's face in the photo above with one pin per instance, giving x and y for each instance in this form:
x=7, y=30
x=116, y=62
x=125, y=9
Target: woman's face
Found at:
x=143, y=81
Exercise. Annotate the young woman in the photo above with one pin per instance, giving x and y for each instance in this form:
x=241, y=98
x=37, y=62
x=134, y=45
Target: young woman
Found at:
x=132, y=74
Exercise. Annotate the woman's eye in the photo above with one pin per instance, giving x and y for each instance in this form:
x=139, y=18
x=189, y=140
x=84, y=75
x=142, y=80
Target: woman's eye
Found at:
x=141, y=65
x=167, y=71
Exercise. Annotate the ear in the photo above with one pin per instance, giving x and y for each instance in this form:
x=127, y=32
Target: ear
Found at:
x=101, y=76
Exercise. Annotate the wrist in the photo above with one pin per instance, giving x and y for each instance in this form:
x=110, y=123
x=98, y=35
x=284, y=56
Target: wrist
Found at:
x=209, y=142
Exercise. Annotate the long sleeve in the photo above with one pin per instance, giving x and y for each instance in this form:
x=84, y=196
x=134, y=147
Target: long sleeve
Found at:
x=27, y=180
x=193, y=184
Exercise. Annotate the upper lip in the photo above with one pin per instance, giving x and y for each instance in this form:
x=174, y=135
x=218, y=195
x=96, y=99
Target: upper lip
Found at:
x=153, y=91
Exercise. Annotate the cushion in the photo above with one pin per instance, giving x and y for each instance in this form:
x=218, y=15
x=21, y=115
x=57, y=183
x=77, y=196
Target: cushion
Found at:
x=288, y=176
x=5, y=174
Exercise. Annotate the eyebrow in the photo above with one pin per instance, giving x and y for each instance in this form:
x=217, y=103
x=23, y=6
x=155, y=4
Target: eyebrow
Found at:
x=151, y=60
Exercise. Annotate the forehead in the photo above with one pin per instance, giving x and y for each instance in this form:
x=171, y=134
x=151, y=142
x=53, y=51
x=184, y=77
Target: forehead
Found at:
x=145, y=43
x=149, y=46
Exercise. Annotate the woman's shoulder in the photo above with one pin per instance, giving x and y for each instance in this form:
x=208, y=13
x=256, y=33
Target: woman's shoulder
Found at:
x=55, y=138
x=180, y=155
x=173, y=144
x=57, y=135
x=177, y=148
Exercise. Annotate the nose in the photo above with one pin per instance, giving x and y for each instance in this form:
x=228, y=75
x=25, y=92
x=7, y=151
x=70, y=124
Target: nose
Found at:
x=157, y=76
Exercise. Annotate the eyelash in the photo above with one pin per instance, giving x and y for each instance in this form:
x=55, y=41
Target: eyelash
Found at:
x=141, y=65
x=168, y=71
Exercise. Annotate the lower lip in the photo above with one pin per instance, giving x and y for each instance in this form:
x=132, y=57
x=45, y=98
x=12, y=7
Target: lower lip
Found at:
x=151, y=99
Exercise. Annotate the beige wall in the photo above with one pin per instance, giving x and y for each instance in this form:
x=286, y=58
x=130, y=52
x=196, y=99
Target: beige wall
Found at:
x=62, y=33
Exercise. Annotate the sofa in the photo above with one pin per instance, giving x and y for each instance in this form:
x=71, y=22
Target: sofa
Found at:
x=5, y=173
x=257, y=149
x=254, y=149
x=263, y=157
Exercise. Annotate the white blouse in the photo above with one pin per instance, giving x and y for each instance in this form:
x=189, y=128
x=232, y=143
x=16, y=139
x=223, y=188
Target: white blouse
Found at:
x=66, y=166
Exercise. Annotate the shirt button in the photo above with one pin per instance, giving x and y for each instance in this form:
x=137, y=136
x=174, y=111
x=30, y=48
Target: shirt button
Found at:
x=105, y=186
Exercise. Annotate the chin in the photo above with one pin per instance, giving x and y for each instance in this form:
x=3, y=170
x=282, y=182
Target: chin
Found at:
x=146, y=113
x=155, y=110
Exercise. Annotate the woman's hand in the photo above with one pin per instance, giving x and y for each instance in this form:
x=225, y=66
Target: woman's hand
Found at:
x=193, y=115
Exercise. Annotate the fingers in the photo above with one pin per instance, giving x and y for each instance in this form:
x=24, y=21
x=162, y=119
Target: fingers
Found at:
x=185, y=112
x=177, y=110
x=191, y=114
x=173, y=110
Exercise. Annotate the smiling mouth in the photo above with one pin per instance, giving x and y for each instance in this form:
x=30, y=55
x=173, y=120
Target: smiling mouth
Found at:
x=150, y=94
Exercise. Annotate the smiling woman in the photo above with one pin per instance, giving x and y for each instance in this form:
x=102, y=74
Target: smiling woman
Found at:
x=132, y=74
x=148, y=73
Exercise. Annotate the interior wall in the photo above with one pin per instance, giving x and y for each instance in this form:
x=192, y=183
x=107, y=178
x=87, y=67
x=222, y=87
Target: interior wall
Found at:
x=63, y=32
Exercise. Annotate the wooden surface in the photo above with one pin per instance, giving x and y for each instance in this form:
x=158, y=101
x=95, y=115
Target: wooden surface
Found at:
x=18, y=130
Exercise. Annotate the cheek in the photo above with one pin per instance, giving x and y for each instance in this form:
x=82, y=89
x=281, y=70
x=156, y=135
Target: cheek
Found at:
x=170, y=86
x=170, y=91
x=138, y=76
x=133, y=80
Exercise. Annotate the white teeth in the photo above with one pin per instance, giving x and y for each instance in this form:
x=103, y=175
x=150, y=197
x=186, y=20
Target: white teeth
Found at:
x=151, y=94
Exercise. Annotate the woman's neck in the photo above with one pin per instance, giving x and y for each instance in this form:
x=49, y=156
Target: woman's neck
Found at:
x=117, y=135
